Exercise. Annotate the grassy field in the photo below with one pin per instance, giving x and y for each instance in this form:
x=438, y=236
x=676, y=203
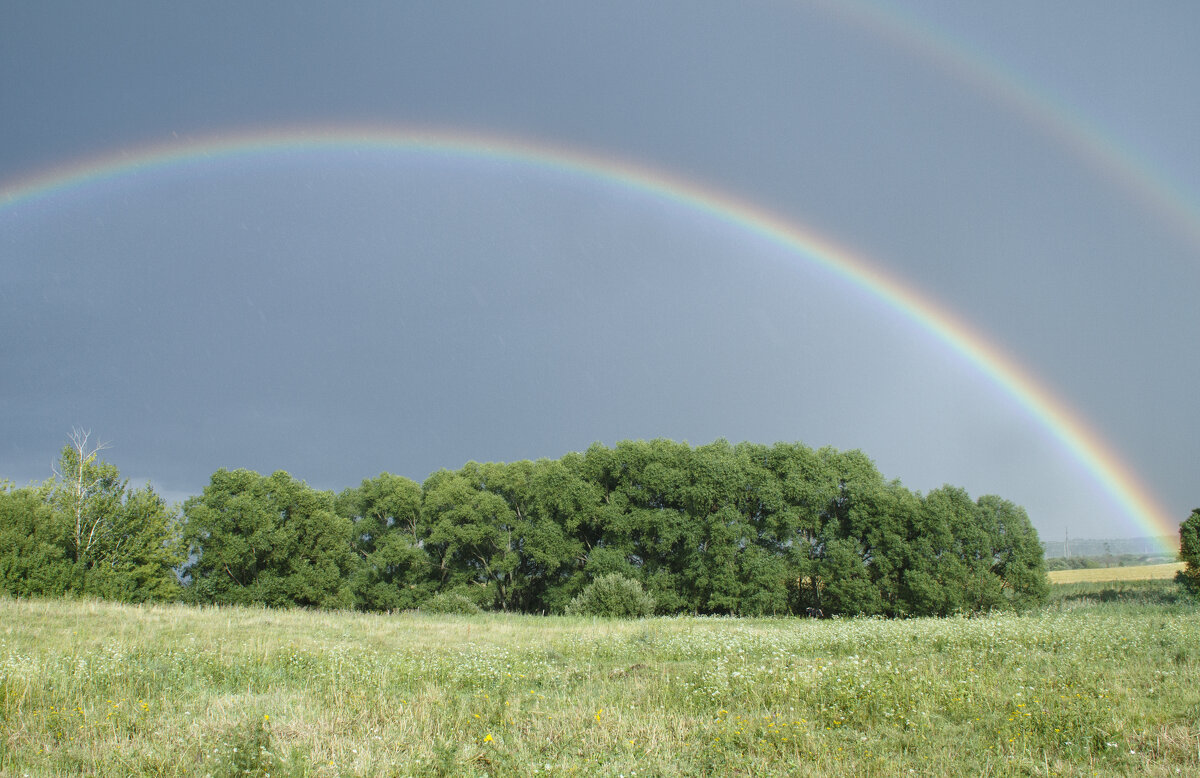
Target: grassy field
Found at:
x=1103, y=681
x=1105, y=574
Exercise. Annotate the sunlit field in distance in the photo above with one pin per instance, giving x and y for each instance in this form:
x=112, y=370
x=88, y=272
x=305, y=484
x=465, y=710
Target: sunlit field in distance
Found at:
x=1100, y=574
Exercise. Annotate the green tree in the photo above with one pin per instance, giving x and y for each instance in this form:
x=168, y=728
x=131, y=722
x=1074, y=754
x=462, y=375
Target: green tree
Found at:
x=769, y=527
x=33, y=558
x=270, y=540
x=471, y=532
x=806, y=485
x=136, y=560
x=393, y=571
x=936, y=577
x=710, y=562
x=556, y=506
x=1017, y=557
x=504, y=527
x=606, y=530
x=765, y=583
x=86, y=494
x=852, y=534
x=660, y=532
x=1189, y=552
x=121, y=544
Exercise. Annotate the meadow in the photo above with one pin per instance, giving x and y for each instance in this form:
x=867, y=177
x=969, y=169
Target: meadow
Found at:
x=1105, y=680
x=1165, y=571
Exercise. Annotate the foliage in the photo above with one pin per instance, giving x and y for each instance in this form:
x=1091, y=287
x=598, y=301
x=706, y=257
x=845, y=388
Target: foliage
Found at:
x=1189, y=553
x=1017, y=558
x=33, y=550
x=506, y=527
x=1109, y=561
x=137, y=563
x=612, y=595
x=1074, y=563
x=744, y=529
x=267, y=539
x=450, y=603
x=84, y=531
x=392, y=570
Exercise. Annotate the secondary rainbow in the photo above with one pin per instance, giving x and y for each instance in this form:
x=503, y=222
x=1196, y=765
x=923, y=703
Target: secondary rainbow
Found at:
x=1070, y=430
x=968, y=64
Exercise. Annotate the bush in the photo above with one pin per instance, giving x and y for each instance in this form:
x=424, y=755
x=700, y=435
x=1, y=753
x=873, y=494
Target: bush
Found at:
x=612, y=595
x=1189, y=553
x=450, y=602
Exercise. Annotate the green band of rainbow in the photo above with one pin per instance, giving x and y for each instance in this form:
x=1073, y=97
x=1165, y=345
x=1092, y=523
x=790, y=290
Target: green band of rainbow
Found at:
x=1084, y=444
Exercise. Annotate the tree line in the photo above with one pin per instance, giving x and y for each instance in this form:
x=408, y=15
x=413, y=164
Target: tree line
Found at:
x=744, y=529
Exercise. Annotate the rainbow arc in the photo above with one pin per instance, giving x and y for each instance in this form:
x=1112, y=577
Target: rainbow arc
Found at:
x=1060, y=421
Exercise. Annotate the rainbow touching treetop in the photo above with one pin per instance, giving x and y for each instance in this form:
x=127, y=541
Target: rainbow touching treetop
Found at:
x=1055, y=416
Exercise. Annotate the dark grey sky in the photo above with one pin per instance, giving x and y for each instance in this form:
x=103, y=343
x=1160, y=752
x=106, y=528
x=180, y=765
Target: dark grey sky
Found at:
x=337, y=314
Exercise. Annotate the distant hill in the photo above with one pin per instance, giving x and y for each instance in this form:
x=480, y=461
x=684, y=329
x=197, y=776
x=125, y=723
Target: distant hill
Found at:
x=1110, y=547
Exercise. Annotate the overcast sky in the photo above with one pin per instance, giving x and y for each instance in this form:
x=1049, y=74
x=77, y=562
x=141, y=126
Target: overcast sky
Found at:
x=1032, y=167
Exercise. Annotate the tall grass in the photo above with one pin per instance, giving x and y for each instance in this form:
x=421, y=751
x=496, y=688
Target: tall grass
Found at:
x=1085, y=686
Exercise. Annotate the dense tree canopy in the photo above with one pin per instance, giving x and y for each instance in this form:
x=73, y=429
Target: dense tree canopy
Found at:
x=743, y=529
x=84, y=531
x=267, y=539
x=392, y=570
x=33, y=548
x=746, y=529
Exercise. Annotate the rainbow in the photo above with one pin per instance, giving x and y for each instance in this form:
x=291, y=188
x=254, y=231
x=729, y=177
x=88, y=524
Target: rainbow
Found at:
x=969, y=65
x=1084, y=444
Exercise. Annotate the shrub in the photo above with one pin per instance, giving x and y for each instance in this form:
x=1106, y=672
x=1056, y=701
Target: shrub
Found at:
x=450, y=602
x=612, y=595
x=1189, y=553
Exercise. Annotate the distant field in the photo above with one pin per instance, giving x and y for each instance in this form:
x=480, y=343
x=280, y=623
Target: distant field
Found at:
x=1102, y=574
x=1081, y=687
